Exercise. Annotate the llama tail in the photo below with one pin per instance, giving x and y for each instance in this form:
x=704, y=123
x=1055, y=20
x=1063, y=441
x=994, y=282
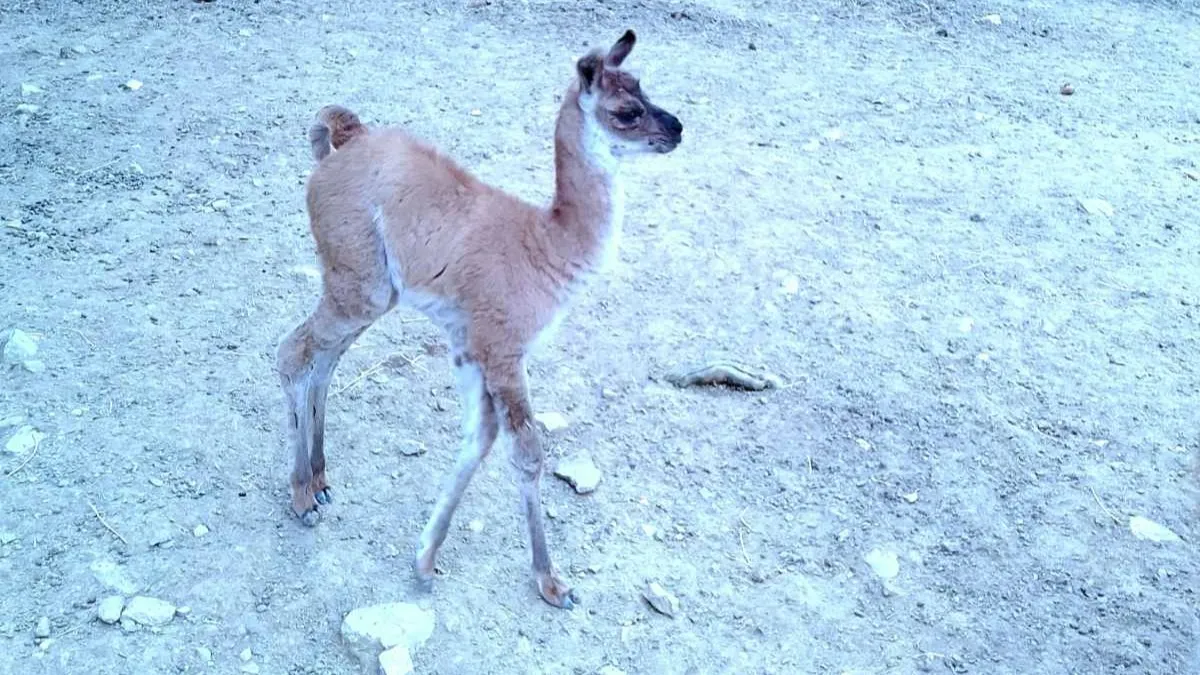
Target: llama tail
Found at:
x=334, y=127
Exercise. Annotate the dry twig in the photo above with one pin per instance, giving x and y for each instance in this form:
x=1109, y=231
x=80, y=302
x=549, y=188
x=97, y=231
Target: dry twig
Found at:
x=106, y=525
x=1105, y=508
x=728, y=374
x=37, y=444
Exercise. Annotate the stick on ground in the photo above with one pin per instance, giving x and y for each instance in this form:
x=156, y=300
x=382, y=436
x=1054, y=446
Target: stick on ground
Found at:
x=106, y=525
x=727, y=374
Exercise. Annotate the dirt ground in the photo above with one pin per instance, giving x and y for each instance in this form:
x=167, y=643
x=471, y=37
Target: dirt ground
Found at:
x=881, y=202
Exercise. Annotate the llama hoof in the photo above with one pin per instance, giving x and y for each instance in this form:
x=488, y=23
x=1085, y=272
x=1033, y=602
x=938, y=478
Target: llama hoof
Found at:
x=310, y=517
x=556, y=593
x=324, y=497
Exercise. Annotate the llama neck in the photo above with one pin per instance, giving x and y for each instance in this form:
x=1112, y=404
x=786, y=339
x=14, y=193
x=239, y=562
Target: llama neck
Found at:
x=588, y=205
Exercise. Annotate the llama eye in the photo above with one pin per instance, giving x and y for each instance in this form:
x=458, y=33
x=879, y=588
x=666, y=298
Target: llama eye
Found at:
x=627, y=116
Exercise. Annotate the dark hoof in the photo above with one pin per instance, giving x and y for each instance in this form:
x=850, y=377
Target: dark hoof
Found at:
x=310, y=518
x=324, y=497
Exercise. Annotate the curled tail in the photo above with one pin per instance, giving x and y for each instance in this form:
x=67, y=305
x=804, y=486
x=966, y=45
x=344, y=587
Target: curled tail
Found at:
x=335, y=126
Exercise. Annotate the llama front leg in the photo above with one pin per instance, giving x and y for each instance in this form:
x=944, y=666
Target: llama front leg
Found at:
x=479, y=430
x=511, y=394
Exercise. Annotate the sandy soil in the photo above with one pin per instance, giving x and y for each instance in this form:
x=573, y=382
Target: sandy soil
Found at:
x=881, y=202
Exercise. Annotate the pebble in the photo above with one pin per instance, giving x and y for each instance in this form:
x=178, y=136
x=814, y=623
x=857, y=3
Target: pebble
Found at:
x=42, y=629
x=370, y=631
x=886, y=564
x=111, y=575
x=220, y=204
x=246, y=654
x=26, y=439
x=149, y=611
x=251, y=668
x=132, y=85
x=396, y=661
x=661, y=600
x=7, y=537
x=475, y=525
x=551, y=421
x=28, y=108
x=200, y=530
x=28, y=89
x=109, y=609
x=204, y=654
x=19, y=346
x=1148, y=530
x=34, y=366
x=580, y=472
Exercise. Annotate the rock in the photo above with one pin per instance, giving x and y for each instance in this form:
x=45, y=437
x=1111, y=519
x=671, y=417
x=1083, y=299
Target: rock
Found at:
x=1094, y=207
x=1146, y=529
x=411, y=448
x=396, y=661
x=610, y=670
x=29, y=89
x=34, y=366
x=42, y=629
x=1066, y=89
x=109, y=609
x=112, y=576
x=28, y=108
x=307, y=272
x=369, y=631
x=886, y=564
x=200, y=530
x=149, y=611
x=7, y=537
x=220, y=204
x=661, y=600
x=251, y=668
x=551, y=421
x=25, y=440
x=246, y=654
x=19, y=346
x=475, y=525
x=580, y=472
x=12, y=421
x=132, y=85
x=204, y=654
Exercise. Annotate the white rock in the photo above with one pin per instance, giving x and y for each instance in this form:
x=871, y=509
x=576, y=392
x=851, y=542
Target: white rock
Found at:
x=1094, y=207
x=306, y=271
x=133, y=85
x=580, y=472
x=886, y=564
x=11, y=421
x=200, y=530
x=204, y=654
x=34, y=366
x=29, y=89
x=251, y=668
x=19, y=346
x=551, y=421
x=26, y=439
x=1144, y=528
x=396, y=661
x=7, y=537
x=149, y=611
x=111, y=575
x=661, y=599
x=109, y=609
x=42, y=629
x=246, y=654
x=369, y=631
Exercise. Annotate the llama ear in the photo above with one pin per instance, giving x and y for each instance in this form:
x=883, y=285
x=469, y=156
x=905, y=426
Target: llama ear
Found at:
x=590, y=68
x=620, y=50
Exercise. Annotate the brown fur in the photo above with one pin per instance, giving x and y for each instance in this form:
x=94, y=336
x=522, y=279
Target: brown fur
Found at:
x=394, y=220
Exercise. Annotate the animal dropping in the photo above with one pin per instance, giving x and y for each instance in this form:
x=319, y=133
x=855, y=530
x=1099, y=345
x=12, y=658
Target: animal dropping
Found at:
x=397, y=222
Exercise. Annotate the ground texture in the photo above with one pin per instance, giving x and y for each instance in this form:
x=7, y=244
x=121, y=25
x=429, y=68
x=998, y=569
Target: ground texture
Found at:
x=884, y=203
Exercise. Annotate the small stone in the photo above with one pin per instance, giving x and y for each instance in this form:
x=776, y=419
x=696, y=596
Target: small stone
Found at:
x=109, y=609
x=19, y=346
x=551, y=421
x=993, y=19
x=369, y=631
x=149, y=611
x=649, y=530
x=660, y=599
x=1148, y=530
x=1094, y=207
x=111, y=575
x=911, y=497
x=863, y=443
x=204, y=654
x=28, y=89
x=1066, y=89
x=251, y=668
x=220, y=204
x=580, y=472
x=246, y=654
x=7, y=537
x=25, y=440
x=132, y=85
x=476, y=112
x=886, y=564
x=475, y=525
x=42, y=629
x=411, y=448
x=307, y=272
x=11, y=421
x=28, y=108
x=245, y=32
x=157, y=482
x=396, y=661
x=200, y=530
x=34, y=366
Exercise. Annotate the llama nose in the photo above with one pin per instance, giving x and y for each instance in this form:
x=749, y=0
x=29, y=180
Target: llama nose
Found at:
x=674, y=125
